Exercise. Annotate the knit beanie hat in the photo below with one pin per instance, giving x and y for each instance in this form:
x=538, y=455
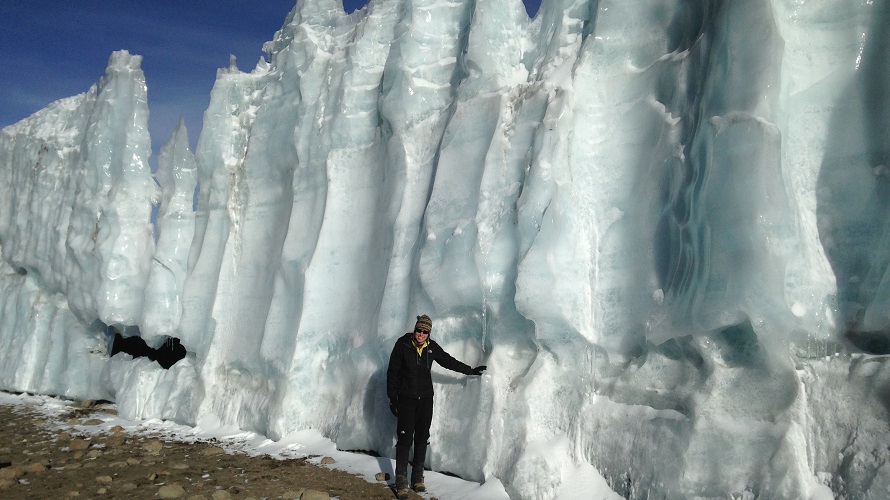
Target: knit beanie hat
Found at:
x=424, y=324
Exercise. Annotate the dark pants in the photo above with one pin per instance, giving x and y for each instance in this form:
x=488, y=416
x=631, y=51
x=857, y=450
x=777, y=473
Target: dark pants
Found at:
x=415, y=418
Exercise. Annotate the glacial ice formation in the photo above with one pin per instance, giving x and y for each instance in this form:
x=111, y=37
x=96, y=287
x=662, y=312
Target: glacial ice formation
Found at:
x=662, y=224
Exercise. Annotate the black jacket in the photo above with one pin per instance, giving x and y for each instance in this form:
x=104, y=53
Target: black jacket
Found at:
x=408, y=374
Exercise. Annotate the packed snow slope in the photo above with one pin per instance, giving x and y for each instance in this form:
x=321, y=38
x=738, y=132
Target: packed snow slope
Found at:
x=662, y=224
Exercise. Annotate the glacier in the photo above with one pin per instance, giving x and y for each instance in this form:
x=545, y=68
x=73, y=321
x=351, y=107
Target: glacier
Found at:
x=663, y=225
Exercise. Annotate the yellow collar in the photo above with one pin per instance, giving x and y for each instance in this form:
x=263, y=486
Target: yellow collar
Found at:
x=420, y=347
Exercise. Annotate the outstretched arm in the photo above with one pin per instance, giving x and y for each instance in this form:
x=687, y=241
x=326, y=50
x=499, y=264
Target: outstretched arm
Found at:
x=448, y=361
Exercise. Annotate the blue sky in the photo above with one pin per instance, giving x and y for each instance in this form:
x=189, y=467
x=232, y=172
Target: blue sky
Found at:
x=51, y=49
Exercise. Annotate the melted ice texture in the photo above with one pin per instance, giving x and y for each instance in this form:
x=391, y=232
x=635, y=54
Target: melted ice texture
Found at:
x=654, y=220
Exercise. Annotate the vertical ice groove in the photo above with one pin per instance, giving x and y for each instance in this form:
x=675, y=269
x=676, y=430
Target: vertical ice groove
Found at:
x=832, y=91
x=119, y=146
x=342, y=174
x=177, y=176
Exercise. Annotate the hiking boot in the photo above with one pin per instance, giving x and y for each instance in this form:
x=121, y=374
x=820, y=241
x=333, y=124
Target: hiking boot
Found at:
x=417, y=477
x=402, y=490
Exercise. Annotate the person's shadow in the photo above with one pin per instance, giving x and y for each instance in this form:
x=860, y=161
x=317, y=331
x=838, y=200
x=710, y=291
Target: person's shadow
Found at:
x=378, y=417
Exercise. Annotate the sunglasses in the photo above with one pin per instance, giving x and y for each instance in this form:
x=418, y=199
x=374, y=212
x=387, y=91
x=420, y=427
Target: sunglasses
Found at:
x=421, y=331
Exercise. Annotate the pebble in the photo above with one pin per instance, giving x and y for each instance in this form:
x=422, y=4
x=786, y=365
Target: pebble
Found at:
x=116, y=439
x=315, y=495
x=78, y=444
x=11, y=473
x=154, y=447
x=328, y=461
x=171, y=491
x=36, y=467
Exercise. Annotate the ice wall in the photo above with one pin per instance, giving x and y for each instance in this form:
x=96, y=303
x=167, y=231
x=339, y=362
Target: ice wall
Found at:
x=77, y=195
x=661, y=224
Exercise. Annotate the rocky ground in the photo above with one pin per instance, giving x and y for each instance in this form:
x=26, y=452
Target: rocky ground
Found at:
x=44, y=457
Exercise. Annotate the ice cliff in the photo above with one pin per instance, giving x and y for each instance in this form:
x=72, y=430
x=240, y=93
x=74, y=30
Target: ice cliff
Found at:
x=662, y=224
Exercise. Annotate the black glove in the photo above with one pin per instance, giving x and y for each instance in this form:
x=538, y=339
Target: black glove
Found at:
x=394, y=407
x=478, y=370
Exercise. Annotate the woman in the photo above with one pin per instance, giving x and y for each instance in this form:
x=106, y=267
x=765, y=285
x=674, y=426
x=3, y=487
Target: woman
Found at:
x=409, y=386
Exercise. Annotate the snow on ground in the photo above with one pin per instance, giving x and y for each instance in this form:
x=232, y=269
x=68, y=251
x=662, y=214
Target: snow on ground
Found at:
x=308, y=444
